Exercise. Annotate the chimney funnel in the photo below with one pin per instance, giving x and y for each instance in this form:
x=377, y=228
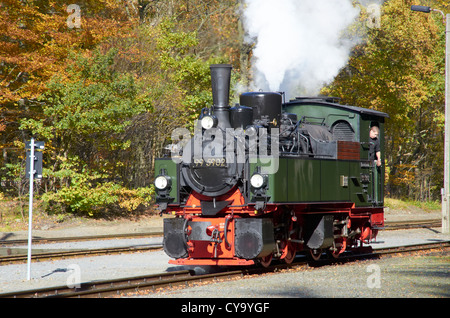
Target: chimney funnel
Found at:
x=220, y=82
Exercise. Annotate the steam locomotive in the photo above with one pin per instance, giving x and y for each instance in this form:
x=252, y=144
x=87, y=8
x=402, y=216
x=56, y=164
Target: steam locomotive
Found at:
x=267, y=179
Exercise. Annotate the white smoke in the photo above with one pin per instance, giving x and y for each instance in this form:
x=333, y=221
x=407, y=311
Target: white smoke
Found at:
x=298, y=44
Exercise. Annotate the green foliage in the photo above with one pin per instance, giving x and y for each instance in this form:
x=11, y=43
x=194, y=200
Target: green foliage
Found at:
x=86, y=199
x=91, y=116
x=84, y=191
x=83, y=116
x=106, y=97
x=92, y=101
x=187, y=71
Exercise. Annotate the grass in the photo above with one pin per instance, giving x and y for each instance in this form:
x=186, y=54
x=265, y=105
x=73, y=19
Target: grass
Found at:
x=410, y=205
x=14, y=215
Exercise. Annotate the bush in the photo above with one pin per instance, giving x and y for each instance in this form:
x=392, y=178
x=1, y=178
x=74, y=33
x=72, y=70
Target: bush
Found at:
x=84, y=191
x=92, y=201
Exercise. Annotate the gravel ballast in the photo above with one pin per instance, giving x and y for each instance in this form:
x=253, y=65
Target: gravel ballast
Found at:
x=421, y=276
x=399, y=277
x=411, y=276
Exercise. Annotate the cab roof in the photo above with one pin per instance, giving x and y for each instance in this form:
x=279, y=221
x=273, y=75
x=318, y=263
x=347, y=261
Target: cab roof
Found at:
x=334, y=102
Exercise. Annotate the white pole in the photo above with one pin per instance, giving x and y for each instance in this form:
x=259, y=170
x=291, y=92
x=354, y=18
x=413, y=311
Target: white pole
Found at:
x=446, y=196
x=30, y=208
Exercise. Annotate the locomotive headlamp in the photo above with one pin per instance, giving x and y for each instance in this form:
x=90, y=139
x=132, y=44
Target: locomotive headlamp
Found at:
x=162, y=182
x=209, y=121
x=258, y=180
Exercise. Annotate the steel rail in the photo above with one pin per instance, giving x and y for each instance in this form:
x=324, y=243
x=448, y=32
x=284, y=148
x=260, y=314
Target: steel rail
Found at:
x=400, y=225
x=411, y=248
x=88, y=287
x=6, y=242
x=19, y=258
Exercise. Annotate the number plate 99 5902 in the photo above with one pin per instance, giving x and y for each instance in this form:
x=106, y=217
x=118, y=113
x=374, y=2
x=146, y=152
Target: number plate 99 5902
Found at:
x=209, y=163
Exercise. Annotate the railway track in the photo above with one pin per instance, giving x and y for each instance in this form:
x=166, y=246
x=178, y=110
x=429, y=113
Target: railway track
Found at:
x=42, y=256
x=401, y=225
x=4, y=243
x=110, y=288
x=51, y=255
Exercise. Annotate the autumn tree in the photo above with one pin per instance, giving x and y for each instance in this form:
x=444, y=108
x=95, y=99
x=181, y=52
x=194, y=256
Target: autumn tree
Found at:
x=36, y=37
x=120, y=83
x=399, y=69
x=175, y=81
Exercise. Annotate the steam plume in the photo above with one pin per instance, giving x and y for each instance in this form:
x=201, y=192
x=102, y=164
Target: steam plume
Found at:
x=298, y=43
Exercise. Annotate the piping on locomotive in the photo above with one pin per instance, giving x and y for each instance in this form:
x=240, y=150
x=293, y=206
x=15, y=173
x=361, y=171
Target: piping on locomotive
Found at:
x=267, y=179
